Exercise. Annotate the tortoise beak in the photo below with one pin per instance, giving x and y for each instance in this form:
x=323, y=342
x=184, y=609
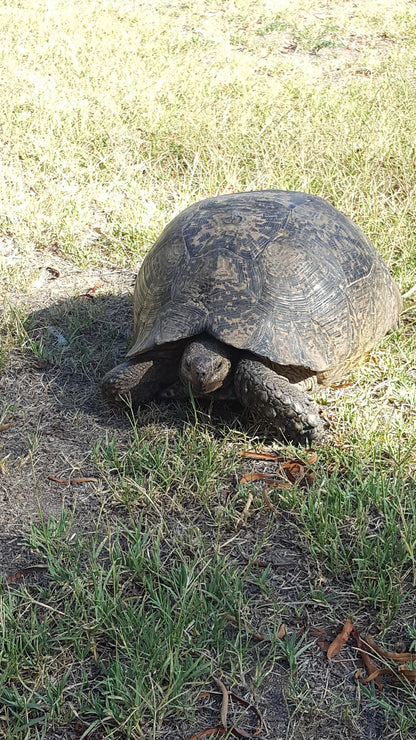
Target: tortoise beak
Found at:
x=202, y=387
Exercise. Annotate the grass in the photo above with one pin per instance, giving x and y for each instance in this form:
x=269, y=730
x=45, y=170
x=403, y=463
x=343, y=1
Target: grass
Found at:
x=138, y=618
x=115, y=116
x=184, y=464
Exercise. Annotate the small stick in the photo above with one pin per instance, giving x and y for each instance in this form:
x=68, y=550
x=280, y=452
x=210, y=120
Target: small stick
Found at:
x=72, y=481
x=244, y=513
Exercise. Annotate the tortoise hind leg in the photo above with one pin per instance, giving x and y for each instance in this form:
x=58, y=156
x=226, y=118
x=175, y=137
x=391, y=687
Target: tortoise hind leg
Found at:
x=282, y=405
x=137, y=380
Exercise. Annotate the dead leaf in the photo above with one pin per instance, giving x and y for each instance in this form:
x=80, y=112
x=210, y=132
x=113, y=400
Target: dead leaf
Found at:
x=209, y=732
x=252, y=708
x=376, y=675
x=54, y=273
x=297, y=472
x=403, y=672
x=225, y=699
x=287, y=473
x=323, y=637
x=251, y=477
x=396, y=657
x=340, y=640
x=281, y=632
x=408, y=673
x=342, y=385
x=23, y=572
x=3, y=427
x=361, y=651
x=267, y=501
x=223, y=729
x=313, y=457
x=41, y=364
x=91, y=291
x=271, y=456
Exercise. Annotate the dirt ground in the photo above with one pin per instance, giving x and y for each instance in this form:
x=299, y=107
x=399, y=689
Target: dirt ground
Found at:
x=55, y=407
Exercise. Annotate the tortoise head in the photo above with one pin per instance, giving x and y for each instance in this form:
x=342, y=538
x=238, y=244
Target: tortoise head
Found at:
x=205, y=365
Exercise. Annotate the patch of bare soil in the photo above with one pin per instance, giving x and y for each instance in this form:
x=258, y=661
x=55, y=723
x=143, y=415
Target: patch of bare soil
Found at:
x=50, y=394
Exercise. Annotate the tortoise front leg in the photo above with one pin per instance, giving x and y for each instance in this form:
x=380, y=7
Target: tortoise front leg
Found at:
x=282, y=405
x=138, y=380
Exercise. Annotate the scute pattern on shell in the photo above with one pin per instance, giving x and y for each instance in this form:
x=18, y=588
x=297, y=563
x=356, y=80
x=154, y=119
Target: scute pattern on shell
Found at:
x=281, y=274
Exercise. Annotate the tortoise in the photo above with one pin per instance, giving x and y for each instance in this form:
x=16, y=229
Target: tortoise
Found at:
x=257, y=296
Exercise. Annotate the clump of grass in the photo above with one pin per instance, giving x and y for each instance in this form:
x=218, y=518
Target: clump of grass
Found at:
x=118, y=633
x=169, y=467
x=360, y=524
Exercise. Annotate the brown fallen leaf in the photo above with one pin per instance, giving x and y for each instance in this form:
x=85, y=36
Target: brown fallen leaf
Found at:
x=281, y=632
x=23, y=572
x=225, y=700
x=3, y=427
x=396, y=657
x=376, y=675
x=408, y=673
x=252, y=708
x=323, y=637
x=270, y=456
x=251, y=477
x=72, y=481
x=267, y=501
x=275, y=457
x=370, y=667
x=313, y=457
x=219, y=731
x=222, y=729
x=280, y=486
x=91, y=291
x=402, y=672
x=41, y=364
x=288, y=472
x=340, y=640
x=343, y=384
x=271, y=481
x=297, y=472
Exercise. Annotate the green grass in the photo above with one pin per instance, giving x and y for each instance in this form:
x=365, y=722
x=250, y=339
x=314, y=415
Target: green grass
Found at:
x=120, y=632
x=114, y=116
x=362, y=525
x=175, y=467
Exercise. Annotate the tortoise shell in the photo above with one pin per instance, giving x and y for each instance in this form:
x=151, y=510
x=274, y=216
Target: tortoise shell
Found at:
x=281, y=274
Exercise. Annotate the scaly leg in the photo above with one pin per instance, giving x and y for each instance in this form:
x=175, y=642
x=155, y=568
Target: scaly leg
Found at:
x=282, y=405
